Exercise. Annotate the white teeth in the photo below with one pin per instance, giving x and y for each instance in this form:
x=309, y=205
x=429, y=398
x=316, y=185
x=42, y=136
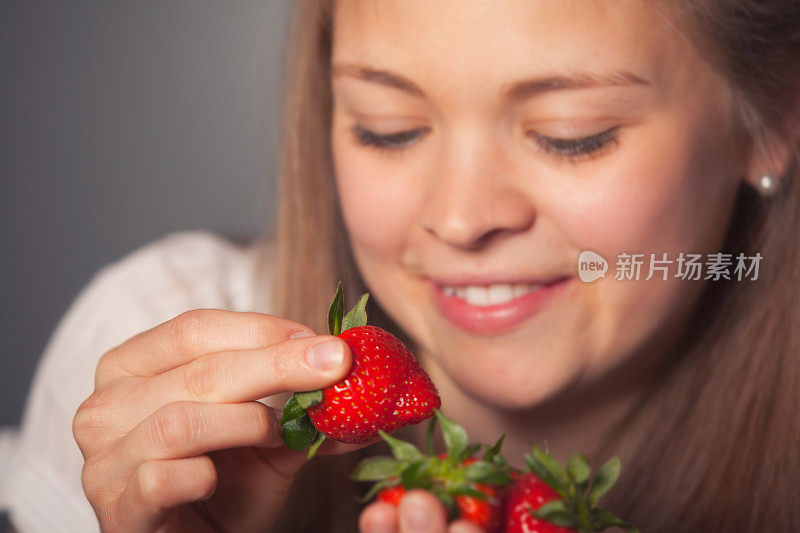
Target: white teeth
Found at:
x=500, y=294
x=520, y=289
x=496, y=294
x=477, y=295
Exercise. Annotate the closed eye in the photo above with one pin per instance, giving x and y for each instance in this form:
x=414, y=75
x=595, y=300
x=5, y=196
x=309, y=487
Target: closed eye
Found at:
x=576, y=148
x=389, y=141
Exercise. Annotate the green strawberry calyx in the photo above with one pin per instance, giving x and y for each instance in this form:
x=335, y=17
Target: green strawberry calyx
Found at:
x=580, y=494
x=445, y=476
x=299, y=432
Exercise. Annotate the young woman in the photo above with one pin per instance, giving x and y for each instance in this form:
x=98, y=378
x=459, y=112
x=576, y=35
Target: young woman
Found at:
x=455, y=159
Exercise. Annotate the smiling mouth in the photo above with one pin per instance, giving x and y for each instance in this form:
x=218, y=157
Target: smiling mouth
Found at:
x=493, y=308
x=487, y=295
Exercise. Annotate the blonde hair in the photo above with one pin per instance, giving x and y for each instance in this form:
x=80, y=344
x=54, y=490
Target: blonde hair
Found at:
x=716, y=445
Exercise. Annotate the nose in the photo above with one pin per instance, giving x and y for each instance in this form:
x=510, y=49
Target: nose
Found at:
x=475, y=198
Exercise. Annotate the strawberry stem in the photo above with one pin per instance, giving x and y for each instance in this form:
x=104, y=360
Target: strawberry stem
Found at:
x=429, y=435
x=316, y=444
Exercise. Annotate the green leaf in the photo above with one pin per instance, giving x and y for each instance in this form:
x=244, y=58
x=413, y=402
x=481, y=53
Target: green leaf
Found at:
x=578, y=468
x=535, y=466
x=318, y=440
x=492, y=451
x=556, y=513
x=291, y=411
x=468, y=491
x=551, y=507
x=376, y=469
x=565, y=519
x=404, y=451
x=455, y=437
x=410, y=476
x=553, y=468
x=500, y=460
x=429, y=435
x=336, y=311
x=602, y=519
x=357, y=316
x=483, y=472
x=298, y=434
x=471, y=450
x=376, y=488
x=308, y=399
x=604, y=480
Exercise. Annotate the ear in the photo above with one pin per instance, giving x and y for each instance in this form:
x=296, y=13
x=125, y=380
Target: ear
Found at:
x=772, y=150
x=770, y=154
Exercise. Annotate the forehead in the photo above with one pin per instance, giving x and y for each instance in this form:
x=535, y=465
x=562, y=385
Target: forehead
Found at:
x=450, y=43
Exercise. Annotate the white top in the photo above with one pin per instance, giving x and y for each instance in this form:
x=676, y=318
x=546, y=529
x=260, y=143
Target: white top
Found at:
x=40, y=464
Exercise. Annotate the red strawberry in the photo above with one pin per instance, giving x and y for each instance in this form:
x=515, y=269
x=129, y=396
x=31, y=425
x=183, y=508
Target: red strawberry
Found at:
x=549, y=499
x=392, y=494
x=385, y=389
x=469, y=487
x=486, y=512
x=527, y=494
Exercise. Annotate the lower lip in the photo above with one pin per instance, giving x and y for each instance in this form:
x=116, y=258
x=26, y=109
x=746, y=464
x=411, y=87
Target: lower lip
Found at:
x=493, y=319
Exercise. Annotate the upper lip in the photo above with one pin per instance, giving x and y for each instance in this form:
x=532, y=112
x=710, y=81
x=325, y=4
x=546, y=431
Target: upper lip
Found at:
x=461, y=280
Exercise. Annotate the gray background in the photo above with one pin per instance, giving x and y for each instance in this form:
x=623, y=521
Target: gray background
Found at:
x=121, y=122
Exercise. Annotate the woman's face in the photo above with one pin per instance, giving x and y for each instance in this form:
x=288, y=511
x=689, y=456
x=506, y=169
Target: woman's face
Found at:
x=480, y=147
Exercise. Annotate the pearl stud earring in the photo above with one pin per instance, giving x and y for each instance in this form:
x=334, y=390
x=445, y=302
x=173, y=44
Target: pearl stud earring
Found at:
x=767, y=185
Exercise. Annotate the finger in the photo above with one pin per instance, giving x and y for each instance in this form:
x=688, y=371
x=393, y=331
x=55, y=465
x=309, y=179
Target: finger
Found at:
x=378, y=517
x=227, y=377
x=464, y=526
x=231, y=377
x=421, y=512
x=186, y=429
x=190, y=335
x=158, y=486
x=295, y=365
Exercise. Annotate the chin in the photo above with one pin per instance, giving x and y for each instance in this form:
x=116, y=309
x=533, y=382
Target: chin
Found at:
x=512, y=384
x=510, y=398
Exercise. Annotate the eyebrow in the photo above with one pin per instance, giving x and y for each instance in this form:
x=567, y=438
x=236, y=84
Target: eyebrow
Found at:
x=516, y=91
x=382, y=77
x=527, y=88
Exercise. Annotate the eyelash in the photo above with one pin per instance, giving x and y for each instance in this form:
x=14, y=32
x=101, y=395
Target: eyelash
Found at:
x=571, y=149
x=582, y=147
x=392, y=141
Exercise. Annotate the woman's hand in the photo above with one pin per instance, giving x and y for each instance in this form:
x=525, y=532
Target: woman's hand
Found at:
x=419, y=511
x=172, y=437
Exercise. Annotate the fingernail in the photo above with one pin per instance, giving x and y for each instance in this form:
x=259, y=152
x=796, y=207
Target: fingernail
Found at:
x=326, y=355
x=299, y=334
x=416, y=516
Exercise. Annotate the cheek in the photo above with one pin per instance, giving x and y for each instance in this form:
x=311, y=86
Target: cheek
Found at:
x=669, y=188
x=674, y=195
x=667, y=200
x=377, y=199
